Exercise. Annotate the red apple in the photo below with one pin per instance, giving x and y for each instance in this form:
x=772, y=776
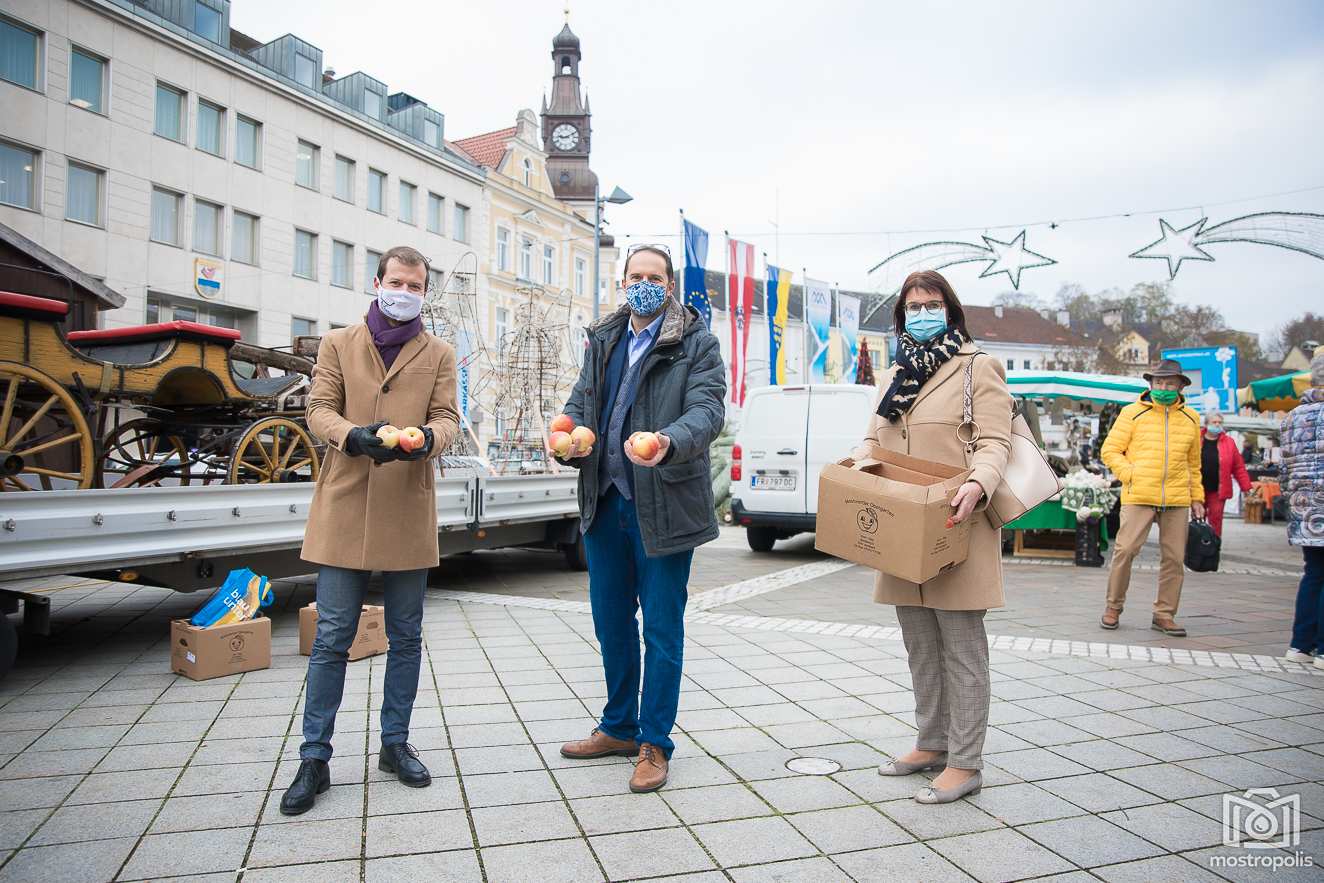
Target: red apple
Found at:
x=560, y=443
x=645, y=445
x=389, y=435
x=583, y=437
x=411, y=439
x=562, y=423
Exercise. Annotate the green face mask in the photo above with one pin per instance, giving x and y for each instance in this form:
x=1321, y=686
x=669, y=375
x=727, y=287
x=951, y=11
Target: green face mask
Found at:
x=1164, y=396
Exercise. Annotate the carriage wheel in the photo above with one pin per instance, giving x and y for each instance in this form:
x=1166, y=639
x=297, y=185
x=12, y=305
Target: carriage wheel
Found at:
x=274, y=450
x=139, y=454
x=45, y=442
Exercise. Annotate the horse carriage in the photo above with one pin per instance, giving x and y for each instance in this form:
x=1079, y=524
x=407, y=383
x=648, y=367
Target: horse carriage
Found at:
x=175, y=403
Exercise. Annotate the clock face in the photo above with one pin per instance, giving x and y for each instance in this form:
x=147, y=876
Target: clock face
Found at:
x=565, y=137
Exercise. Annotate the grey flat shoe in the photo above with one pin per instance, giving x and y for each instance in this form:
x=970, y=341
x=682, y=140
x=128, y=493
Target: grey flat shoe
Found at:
x=950, y=795
x=901, y=768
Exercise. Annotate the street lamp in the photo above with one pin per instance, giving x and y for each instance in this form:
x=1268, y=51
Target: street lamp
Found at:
x=617, y=197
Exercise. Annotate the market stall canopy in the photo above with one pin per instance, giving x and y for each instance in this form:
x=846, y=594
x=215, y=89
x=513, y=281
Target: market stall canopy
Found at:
x=1075, y=385
x=1282, y=393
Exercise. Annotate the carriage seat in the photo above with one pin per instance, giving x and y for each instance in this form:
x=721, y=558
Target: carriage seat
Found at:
x=177, y=330
x=28, y=306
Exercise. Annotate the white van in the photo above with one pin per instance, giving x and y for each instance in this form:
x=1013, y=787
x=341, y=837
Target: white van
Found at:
x=789, y=433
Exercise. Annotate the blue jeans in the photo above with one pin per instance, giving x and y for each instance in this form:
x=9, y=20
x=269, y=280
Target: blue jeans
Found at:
x=340, y=594
x=621, y=580
x=1308, y=625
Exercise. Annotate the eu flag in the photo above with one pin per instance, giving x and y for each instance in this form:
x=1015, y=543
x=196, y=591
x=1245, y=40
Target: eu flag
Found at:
x=696, y=255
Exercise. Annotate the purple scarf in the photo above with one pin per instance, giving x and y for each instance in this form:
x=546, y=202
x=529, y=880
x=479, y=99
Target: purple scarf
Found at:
x=390, y=339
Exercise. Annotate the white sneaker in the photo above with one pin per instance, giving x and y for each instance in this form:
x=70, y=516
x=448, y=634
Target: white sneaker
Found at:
x=1295, y=655
x=1319, y=662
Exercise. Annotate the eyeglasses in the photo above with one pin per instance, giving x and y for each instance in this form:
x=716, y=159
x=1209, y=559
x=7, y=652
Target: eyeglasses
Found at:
x=659, y=246
x=934, y=308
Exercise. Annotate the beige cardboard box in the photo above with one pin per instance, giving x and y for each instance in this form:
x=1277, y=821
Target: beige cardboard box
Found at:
x=890, y=514
x=369, y=641
x=225, y=650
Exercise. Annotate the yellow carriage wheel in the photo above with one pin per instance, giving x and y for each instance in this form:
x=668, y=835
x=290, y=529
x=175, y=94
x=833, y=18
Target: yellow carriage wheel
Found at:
x=45, y=442
x=138, y=453
x=274, y=450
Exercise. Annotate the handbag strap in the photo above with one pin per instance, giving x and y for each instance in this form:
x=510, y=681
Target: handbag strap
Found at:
x=967, y=433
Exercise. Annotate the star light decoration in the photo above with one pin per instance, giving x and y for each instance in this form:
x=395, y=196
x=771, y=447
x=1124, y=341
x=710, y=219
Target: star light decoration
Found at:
x=1175, y=246
x=1013, y=257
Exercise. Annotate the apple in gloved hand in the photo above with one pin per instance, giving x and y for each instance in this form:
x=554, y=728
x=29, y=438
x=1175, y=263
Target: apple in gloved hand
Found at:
x=389, y=435
x=560, y=443
x=411, y=439
x=583, y=438
x=562, y=423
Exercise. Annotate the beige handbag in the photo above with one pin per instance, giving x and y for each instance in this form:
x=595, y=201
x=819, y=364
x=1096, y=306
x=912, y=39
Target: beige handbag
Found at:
x=1028, y=479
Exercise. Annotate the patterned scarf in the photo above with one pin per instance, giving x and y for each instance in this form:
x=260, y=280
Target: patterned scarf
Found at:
x=390, y=339
x=916, y=363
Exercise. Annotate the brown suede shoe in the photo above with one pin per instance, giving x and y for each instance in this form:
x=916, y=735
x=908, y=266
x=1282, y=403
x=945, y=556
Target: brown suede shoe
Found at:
x=599, y=744
x=1110, y=618
x=1168, y=626
x=650, y=770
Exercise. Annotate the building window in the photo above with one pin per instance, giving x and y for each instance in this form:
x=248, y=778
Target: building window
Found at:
x=874, y=356
x=305, y=70
x=407, y=191
x=372, y=104
x=153, y=314
x=603, y=296
x=581, y=276
x=436, y=206
x=370, y=269
x=432, y=132
x=20, y=54
x=248, y=142
x=301, y=327
x=211, y=128
x=306, y=159
x=434, y=280
x=87, y=81
x=206, y=22
x=344, y=179
x=244, y=247
x=502, y=324
x=342, y=264
x=1011, y=364
x=548, y=264
x=460, y=229
x=169, y=112
x=305, y=254
x=528, y=172
x=18, y=176
x=1025, y=364
x=86, y=190
x=503, y=249
x=207, y=223
x=525, y=258
x=167, y=206
x=376, y=191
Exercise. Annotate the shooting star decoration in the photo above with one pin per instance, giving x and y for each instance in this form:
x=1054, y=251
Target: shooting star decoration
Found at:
x=1296, y=231
x=1003, y=257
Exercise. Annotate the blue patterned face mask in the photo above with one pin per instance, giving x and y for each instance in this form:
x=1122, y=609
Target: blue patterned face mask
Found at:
x=645, y=298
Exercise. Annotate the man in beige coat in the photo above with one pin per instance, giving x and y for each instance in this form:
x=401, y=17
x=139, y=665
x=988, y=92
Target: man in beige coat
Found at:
x=374, y=509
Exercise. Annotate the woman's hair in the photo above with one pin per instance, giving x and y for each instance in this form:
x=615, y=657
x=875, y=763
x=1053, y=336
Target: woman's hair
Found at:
x=934, y=282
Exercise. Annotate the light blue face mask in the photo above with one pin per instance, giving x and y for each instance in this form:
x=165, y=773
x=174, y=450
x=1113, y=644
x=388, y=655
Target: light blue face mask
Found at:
x=645, y=298
x=1213, y=429
x=925, y=326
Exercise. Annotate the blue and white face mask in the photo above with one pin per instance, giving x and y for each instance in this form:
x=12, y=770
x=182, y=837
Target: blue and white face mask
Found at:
x=645, y=298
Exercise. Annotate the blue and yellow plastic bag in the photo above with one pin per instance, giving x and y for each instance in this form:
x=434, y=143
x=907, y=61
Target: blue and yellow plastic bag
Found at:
x=239, y=599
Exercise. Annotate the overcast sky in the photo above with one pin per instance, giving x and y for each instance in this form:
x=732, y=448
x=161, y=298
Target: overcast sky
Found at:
x=858, y=118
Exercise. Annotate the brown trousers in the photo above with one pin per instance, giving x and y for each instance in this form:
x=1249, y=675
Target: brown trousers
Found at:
x=1131, y=536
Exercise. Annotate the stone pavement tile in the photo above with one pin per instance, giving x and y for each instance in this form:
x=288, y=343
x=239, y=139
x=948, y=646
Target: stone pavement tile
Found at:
x=1164, y=867
x=1057, y=706
x=142, y=734
x=712, y=719
x=130, y=785
x=1098, y=792
x=847, y=829
x=32, y=764
x=997, y=740
x=104, y=715
x=212, y=811
x=551, y=731
x=734, y=741
x=1090, y=841
x=387, y=798
x=499, y=759
x=444, y=867
x=1022, y=803
x=804, y=793
x=102, y=821
x=712, y=804
x=185, y=853
x=1108, y=725
x=907, y=863
x=418, y=832
x=1009, y=713
x=999, y=855
x=68, y=863
x=1220, y=712
x=1238, y=772
x=226, y=750
x=1102, y=754
x=481, y=735
x=851, y=755
x=920, y=819
x=43, y=701
x=594, y=780
x=1165, y=719
x=1046, y=732
x=266, y=725
x=501, y=789
x=750, y=841
x=757, y=765
x=145, y=757
x=501, y=713
x=1112, y=700
x=551, y=861
x=11, y=721
x=221, y=779
x=15, y=826
x=1280, y=730
x=804, y=870
x=1272, y=704
x=61, y=739
x=1170, y=825
x=166, y=712
x=105, y=697
x=1170, y=781
x=500, y=825
x=799, y=735
x=17, y=740
x=668, y=851
x=1034, y=764
x=339, y=802
x=312, y=841
x=873, y=727
x=874, y=788
x=320, y=872
x=1229, y=740
x=1166, y=746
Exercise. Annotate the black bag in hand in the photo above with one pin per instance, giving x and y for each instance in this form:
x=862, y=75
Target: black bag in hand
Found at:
x=1202, y=547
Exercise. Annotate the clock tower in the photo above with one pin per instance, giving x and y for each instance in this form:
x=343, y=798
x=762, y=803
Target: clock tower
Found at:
x=566, y=129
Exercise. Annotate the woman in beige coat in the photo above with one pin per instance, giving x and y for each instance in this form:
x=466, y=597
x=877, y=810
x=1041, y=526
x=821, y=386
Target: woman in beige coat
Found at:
x=919, y=408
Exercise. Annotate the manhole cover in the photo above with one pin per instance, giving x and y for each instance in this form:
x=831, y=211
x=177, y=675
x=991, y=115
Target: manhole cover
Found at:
x=813, y=766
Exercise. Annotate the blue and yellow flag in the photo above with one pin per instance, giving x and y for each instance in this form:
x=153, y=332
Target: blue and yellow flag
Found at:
x=695, y=286
x=776, y=306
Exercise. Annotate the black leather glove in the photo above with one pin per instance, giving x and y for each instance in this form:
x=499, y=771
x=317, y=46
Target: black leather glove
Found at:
x=363, y=441
x=418, y=453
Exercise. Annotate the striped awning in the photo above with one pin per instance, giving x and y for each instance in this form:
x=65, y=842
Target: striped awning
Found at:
x=1076, y=385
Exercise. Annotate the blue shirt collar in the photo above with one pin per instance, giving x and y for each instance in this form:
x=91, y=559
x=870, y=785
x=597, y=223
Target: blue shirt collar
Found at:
x=649, y=333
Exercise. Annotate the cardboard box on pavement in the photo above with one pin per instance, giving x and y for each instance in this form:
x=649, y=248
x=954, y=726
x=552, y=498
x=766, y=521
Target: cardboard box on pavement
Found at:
x=890, y=513
x=200, y=654
x=370, y=639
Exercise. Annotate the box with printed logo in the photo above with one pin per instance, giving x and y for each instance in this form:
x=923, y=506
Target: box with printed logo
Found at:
x=201, y=654
x=369, y=640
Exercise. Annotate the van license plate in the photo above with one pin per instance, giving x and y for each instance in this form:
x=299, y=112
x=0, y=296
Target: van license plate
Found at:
x=773, y=482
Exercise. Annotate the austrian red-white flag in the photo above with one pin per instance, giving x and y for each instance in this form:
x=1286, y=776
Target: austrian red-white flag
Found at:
x=740, y=307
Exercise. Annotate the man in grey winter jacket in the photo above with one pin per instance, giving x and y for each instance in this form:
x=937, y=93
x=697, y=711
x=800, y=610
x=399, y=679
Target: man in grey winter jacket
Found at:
x=652, y=366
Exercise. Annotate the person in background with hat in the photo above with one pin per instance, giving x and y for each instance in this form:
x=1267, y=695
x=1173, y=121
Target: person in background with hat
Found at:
x=1154, y=449
x=1303, y=467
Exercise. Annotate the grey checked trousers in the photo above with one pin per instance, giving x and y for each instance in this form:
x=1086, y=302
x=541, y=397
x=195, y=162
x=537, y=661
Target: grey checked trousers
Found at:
x=948, y=655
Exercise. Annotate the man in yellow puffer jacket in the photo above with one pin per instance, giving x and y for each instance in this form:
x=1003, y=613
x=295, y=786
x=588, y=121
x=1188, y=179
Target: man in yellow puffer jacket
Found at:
x=1154, y=448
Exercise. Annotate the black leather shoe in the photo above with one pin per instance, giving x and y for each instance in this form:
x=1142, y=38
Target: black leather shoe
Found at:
x=402, y=759
x=312, y=779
